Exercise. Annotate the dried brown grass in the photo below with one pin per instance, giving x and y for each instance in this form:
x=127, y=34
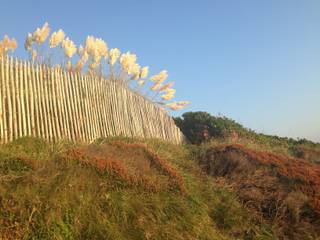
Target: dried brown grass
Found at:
x=281, y=190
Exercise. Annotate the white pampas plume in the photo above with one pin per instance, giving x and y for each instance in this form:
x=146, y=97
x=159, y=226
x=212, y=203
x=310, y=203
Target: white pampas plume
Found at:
x=69, y=47
x=135, y=71
x=166, y=87
x=7, y=44
x=144, y=72
x=41, y=34
x=114, y=55
x=169, y=95
x=177, y=105
x=34, y=54
x=160, y=77
x=156, y=86
x=127, y=61
x=102, y=47
x=56, y=38
x=28, y=42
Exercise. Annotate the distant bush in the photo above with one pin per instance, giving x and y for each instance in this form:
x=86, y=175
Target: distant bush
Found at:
x=199, y=127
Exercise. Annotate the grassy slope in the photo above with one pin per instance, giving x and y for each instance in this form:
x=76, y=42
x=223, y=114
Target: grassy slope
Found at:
x=72, y=191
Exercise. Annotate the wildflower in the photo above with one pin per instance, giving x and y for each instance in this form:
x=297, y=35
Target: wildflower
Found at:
x=68, y=47
x=28, y=42
x=127, y=61
x=144, y=72
x=56, y=38
x=160, y=77
x=166, y=87
x=41, y=34
x=114, y=55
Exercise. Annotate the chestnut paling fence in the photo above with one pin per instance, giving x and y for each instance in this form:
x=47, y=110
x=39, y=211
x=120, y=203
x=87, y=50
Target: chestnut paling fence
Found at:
x=41, y=101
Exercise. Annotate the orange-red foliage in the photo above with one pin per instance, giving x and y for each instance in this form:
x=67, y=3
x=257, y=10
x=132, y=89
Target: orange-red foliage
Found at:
x=155, y=159
x=305, y=174
x=112, y=166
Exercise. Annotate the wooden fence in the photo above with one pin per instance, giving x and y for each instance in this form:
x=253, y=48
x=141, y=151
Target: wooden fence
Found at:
x=51, y=103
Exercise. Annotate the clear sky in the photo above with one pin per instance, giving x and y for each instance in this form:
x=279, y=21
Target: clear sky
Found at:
x=257, y=62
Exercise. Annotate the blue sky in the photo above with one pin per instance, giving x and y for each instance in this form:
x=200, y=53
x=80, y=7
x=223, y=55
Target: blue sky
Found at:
x=257, y=62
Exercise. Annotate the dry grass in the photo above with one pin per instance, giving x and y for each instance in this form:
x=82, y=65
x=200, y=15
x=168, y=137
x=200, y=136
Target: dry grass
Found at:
x=101, y=191
x=134, y=163
x=279, y=189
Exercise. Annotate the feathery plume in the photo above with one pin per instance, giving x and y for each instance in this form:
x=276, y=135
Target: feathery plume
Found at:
x=141, y=83
x=127, y=61
x=160, y=77
x=7, y=44
x=144, y=72
x=90, y=45
x=183, y=103
x=56, y=38
x=114, y=55
x=166, y=87
x=102, y=47
x=69, y=47
x=82, y=60
x=156, y=86
x=13, y=44
x=81, y=50
x=34, y=54
x=174, y=106
x=28, y=42
x=169, y=95
x=41, y=34
x=135, y=71
x=93, y=66
x=177, y=105
x=96, y=48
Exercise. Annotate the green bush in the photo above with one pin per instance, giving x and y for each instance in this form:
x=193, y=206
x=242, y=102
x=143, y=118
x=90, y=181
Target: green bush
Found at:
x=201, y=126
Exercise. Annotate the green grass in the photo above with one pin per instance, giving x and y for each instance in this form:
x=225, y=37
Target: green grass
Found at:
x=43, y=196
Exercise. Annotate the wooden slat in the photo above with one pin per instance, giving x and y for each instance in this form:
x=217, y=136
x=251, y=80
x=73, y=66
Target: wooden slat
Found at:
x=51, y=103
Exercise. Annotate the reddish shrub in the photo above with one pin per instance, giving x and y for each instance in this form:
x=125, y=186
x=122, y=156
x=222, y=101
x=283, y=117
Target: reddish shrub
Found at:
x=306, y=174
x=157, y=161
x=109, y=163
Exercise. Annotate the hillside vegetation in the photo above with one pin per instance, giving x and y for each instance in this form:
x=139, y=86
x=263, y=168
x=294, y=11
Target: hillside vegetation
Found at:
x=201, y=127
x=115, y=189
x=231, y=184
